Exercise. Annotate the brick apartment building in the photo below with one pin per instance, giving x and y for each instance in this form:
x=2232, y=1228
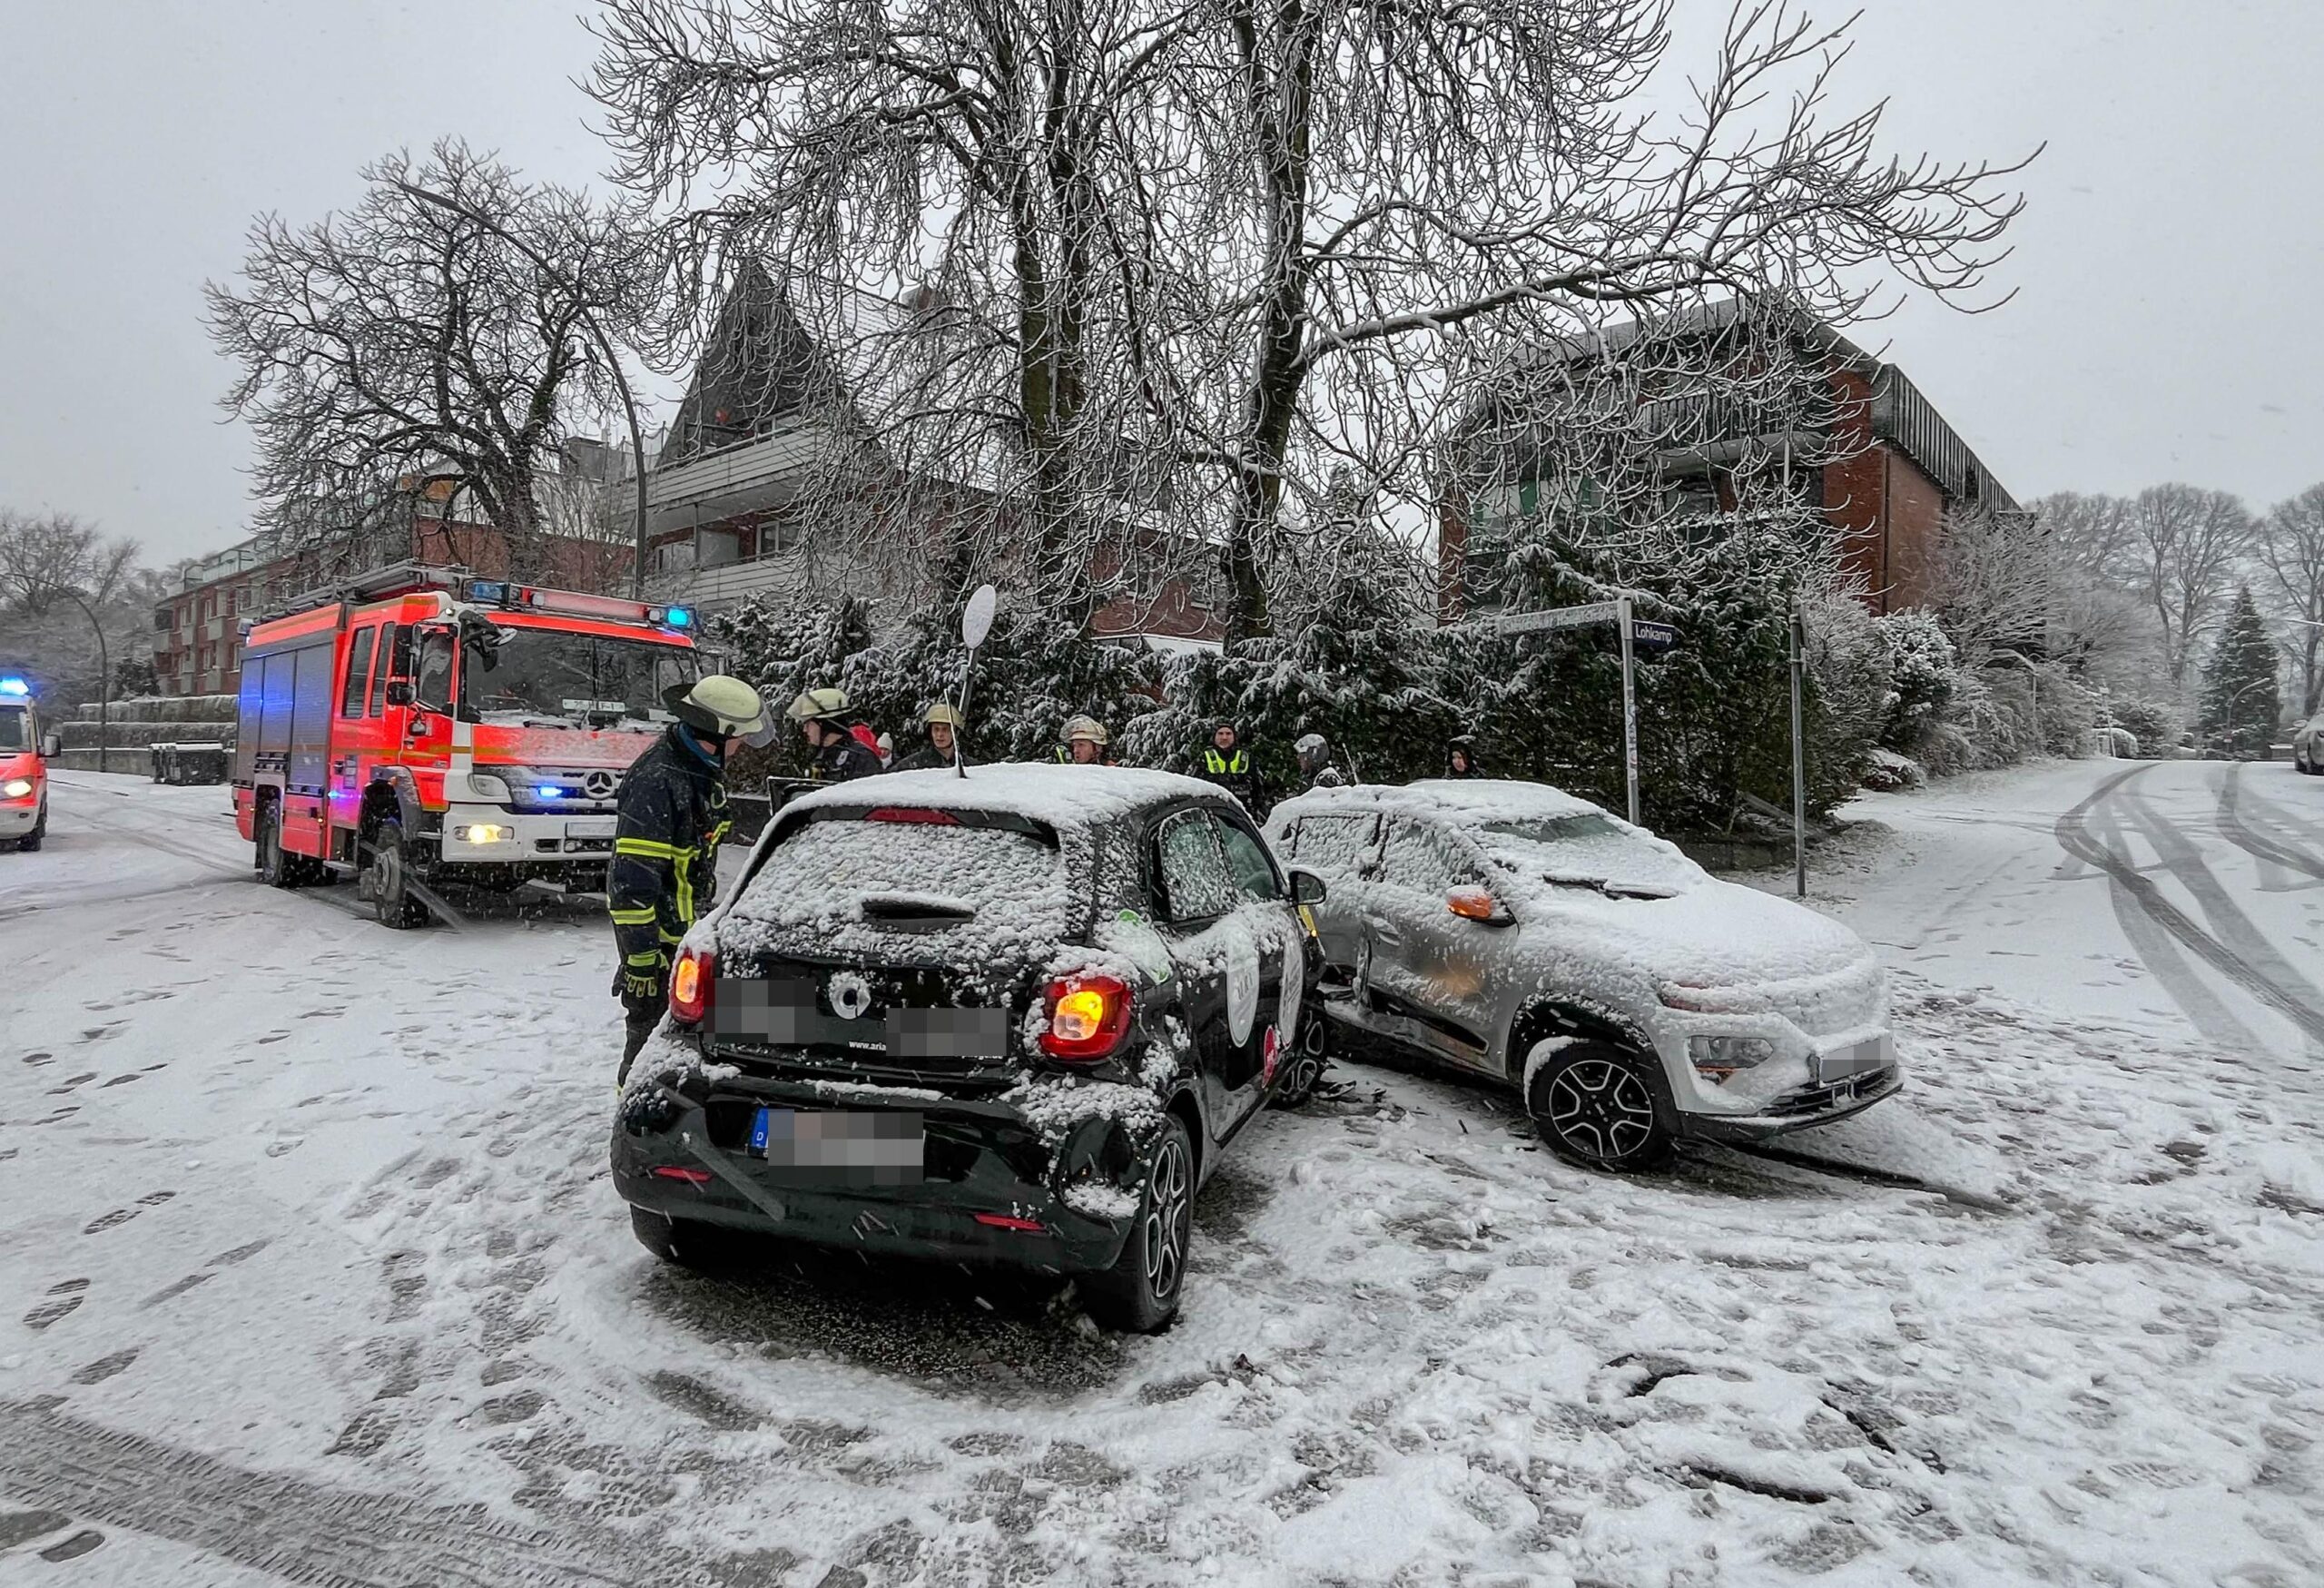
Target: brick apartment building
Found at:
x=1878, y=461
x=198, y=630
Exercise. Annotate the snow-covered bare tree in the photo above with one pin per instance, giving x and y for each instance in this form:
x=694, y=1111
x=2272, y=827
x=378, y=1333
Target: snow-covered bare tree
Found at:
x=49, y=558
x=2095, y=532
x=1437, y=191
x=2291, y=548
x=405, y=346
x=1995, y=586
x=2186, y=545
x=955, y=203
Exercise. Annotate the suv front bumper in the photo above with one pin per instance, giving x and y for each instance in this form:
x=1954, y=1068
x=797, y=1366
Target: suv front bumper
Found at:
x=1797, y=1110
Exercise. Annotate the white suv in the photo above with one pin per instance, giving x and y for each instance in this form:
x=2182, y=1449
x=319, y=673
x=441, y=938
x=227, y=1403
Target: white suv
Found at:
x=1521, y=934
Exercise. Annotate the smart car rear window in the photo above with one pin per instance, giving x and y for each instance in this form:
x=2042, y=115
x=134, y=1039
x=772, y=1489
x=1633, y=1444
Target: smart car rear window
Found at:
x=890, y=867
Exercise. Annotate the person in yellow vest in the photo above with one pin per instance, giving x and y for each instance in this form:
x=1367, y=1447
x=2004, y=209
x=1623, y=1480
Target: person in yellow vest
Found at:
x=1226, y=762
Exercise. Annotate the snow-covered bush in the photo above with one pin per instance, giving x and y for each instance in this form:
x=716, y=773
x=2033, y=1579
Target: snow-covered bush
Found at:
x=2155, y=724
x=1922, y=670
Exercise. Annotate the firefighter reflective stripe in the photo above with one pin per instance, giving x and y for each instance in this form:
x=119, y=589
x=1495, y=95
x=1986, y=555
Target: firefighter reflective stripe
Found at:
x=649, y=960
x=642, y=916
x=649, y=849
x=685, y=893
x=1219, y=765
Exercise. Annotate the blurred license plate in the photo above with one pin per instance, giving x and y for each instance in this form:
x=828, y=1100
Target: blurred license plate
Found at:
x=1856, y=1059
x=600, y=827
x=810, y=1148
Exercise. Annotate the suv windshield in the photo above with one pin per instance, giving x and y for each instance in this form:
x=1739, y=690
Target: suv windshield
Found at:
x=15, y=729
x=556, y=679
x=1586, y=846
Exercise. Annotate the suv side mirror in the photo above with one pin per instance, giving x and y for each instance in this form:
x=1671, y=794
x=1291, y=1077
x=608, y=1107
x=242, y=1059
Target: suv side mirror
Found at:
x=1478, y=904
x=1306, y=887
x=400, y=692
x=52, y=746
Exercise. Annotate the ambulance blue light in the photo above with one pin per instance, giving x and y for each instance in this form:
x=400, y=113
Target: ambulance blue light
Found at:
x=15, y=687
x=489, y=591
x=678, y=618
x=549, y=791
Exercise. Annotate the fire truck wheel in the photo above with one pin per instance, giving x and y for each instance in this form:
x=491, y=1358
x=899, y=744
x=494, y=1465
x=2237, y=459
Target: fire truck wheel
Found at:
x=274, y=867
x=388, y=868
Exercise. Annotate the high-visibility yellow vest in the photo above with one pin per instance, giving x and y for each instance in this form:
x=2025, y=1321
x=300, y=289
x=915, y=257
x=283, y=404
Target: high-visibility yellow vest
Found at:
x=1225, y=765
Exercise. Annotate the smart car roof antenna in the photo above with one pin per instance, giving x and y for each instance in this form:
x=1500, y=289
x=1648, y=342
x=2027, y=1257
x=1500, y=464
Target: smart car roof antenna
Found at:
x=976, y=622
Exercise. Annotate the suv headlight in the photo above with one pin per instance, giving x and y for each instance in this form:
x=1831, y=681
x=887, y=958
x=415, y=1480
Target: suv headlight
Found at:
x=486, y=786
x=17, y=788
x=1720, y=1057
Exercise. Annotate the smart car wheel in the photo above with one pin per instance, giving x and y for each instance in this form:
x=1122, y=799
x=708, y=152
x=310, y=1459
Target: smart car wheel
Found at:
x=1140, y=1293
x=683, y=1241
x=1595, y=1107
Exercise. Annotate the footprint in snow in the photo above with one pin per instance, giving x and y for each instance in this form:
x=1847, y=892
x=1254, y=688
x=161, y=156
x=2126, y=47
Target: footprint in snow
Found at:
x=37, y=1060
x=74, y=1547
x=122, y=1079
x=63, y=1297
x=67, y=1085
x=105, y=1367
x=272, y=1037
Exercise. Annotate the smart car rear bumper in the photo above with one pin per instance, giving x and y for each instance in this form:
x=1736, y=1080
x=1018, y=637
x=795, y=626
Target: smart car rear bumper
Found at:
x=679, y=1157
x=1797, y=1110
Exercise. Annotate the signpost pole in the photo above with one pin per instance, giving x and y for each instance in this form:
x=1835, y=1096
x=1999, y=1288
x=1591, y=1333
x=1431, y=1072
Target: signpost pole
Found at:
x=1630, y=707
x=1798, y=760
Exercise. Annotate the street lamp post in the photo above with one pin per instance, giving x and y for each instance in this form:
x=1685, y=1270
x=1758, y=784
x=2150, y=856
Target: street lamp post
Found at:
x=2227, y=716
x=596, y=334
x=104, y=674
x=2032, y=684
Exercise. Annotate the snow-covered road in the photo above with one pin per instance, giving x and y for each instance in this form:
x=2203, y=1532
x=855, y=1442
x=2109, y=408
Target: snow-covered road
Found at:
x=312, y=1273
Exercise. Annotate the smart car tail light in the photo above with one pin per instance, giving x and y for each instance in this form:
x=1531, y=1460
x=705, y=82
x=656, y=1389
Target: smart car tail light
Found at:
x=690, y=983
x=1088, y=1017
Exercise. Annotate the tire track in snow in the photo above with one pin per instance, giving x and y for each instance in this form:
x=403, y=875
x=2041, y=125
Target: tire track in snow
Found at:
x=298, y=1530
x=2074, y=835
x=2238, y=830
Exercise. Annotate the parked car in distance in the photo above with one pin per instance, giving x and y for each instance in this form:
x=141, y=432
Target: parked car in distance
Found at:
x=2307, y=747
x=1524, y=935
x=1015, y=1018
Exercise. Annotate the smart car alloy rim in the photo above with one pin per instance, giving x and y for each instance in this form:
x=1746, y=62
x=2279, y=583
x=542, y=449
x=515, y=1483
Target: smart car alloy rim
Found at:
x=1165, y=1222
x=1599, y=1108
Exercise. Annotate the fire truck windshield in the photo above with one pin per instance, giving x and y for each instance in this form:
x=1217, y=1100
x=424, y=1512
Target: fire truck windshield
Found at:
x=556, y=679
x=15, y=729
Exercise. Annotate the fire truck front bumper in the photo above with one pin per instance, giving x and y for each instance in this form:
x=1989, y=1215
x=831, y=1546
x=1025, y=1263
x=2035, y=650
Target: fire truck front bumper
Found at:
x=493, y=836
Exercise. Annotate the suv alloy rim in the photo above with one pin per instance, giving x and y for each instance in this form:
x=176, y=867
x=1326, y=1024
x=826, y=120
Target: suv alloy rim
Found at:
x=1601, y=1108
x=1165, y=1222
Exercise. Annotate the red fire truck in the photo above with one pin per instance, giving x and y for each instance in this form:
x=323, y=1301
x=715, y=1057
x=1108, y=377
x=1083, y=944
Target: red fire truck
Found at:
x=418, y=727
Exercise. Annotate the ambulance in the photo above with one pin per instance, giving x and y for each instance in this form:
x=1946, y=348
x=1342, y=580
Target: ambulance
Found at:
x=420, y=729
x=24, y=754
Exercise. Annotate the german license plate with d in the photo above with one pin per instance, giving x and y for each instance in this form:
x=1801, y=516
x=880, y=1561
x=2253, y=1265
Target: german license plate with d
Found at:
x=810, y=1148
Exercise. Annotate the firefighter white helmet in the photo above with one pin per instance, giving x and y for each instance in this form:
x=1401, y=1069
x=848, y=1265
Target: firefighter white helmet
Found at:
x=723, y=705
x=818, y=706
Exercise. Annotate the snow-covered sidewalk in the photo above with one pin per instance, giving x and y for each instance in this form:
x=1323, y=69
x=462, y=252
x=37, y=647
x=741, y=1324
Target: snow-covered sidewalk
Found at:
x=308, y=1246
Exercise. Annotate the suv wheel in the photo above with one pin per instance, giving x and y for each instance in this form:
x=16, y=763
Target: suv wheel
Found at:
x=1596, y=1106
x=31, y=840
x=1305, y=1069
x=1139, y=1294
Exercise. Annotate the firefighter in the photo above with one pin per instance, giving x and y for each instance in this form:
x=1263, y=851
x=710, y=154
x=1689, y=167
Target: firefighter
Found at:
x=1226, y=762
x=943, y=727
x=839, y=743
x=1085, y=742
x=673, y=817
x=1314, y=753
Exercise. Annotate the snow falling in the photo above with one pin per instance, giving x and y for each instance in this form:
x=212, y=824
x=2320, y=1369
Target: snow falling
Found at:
x=313, y=1268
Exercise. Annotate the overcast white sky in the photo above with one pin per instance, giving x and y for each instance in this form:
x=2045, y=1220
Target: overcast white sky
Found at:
x=2166, y=325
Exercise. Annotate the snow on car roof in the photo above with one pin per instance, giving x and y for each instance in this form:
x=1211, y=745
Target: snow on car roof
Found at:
x=1472, y=799
x=1061, y=795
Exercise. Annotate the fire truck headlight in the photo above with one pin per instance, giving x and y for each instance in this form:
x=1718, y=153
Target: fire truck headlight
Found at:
x=17, y=788
x=482, y=833
x=486, y=786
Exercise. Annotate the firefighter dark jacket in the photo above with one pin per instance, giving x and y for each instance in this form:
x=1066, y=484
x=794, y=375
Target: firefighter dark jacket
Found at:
x=665, y=847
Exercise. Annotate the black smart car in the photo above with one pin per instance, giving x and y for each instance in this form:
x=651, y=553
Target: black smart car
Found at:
x=1012, y=1017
